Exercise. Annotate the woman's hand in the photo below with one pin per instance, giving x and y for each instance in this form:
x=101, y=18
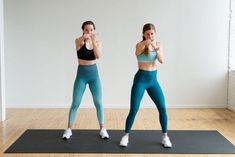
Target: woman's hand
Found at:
x=155, y=46
x=86, y=36
x=93, y=37
x=147, y=42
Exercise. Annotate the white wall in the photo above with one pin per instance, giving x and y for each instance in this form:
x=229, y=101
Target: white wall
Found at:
x=231, y=89
x=41, y=59
x=2, y=73
x=232, y=37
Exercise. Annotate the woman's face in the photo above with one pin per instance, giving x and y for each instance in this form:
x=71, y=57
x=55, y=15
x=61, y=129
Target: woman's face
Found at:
x=88, y=29
x=149, y=34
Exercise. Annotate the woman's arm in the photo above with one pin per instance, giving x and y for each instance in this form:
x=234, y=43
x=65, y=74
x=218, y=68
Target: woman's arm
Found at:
x=96, y=46
x=79, y=42
x=140, y=47
x=159, y=50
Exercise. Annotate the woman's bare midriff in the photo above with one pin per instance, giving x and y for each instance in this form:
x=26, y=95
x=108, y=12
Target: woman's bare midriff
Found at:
x=85, y=62
x=147, y=66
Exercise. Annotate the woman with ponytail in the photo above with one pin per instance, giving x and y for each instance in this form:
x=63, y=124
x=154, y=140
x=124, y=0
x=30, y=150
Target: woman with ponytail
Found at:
x=148, y=52
x=88, y=50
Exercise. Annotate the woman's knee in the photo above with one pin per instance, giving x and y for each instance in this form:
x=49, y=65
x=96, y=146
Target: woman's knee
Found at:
x=133, y=112
x=98, y=103
x=162, y=109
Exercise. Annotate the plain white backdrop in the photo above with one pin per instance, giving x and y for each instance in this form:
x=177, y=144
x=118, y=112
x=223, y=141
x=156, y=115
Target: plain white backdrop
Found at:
x=41, y=62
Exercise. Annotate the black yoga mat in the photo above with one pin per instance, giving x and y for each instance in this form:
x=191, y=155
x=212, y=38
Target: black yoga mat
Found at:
x=141, y=141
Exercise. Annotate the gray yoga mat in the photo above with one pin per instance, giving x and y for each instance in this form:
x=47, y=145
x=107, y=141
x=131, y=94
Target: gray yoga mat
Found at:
x=141, y=141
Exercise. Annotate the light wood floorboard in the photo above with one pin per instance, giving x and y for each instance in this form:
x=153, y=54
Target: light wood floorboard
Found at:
x=18, y=120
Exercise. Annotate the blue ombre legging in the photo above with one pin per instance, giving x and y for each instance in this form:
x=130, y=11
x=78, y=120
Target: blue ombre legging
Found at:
x=87, y=74
x=146, y=80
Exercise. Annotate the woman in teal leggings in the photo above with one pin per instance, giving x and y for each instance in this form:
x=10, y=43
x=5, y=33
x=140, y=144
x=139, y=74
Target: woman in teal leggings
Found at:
x=148, y=51
x=88, y=50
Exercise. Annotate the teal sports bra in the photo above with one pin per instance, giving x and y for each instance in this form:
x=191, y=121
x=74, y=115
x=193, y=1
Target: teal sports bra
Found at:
x=151, y=57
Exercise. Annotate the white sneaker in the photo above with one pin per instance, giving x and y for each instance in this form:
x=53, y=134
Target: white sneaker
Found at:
x=67, y=134
x=104, y=134
x=124, y=141
x=166, y=142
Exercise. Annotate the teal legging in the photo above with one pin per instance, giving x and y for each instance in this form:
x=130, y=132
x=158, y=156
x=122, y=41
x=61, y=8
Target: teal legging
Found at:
x=146, y=80
x=87, y=74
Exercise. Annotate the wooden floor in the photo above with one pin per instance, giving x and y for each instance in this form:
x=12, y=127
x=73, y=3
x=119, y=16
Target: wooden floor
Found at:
x=18, y=120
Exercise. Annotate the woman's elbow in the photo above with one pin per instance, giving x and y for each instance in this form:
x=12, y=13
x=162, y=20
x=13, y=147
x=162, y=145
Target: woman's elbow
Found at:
x=97, y=56
x=161, y=60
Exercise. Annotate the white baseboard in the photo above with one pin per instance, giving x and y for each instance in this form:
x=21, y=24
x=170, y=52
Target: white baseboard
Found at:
x=197, y=106
x=231, y=107
x=120, y=106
